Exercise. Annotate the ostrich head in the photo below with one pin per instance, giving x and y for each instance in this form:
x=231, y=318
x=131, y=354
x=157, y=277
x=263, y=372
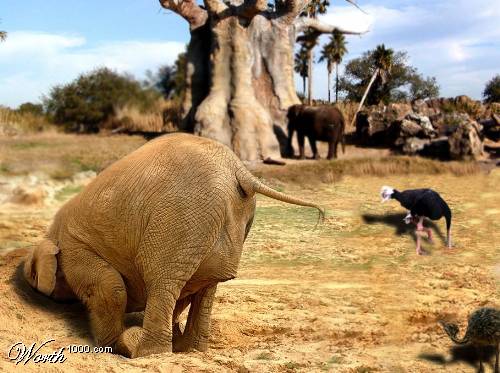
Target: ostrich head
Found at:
x=386, y=193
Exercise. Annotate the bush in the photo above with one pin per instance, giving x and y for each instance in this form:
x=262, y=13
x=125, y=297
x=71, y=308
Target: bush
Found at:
x=90, y=101
x=404, y=82
x=491, y=92
x=30, y=108
x=14, y=122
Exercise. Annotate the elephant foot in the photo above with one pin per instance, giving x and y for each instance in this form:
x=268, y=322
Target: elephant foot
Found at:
x=147, y=348
x=132, y=344
x=186, y=343
x=128, y=342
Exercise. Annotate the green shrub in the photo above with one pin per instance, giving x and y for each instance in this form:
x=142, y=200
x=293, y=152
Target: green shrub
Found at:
x=87, y=103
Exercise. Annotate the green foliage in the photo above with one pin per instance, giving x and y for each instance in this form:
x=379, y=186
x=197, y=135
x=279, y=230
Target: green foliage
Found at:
x=301, y=65
x=491, y=92
x=87, y=103
x=396, y=81
x=30, y=108
x=315, y=7
x=333, y=52
x=170, y=80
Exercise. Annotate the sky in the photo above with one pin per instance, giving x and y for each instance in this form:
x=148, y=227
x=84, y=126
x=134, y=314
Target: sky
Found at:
x=52, y=42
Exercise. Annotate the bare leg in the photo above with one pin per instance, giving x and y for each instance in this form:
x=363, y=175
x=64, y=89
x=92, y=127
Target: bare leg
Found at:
x=429, y=234
x=420, y=227
x=448, y=238
x=197, y=328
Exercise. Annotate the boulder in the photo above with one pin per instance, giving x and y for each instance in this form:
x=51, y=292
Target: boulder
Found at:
x=414, y=145
x=465, y=141
x=373, y=123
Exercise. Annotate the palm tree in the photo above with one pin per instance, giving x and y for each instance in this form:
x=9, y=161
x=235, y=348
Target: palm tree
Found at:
x=301, y=66
x=382, y=62
x=3, y=35
x=314, y=7
x=333, y=52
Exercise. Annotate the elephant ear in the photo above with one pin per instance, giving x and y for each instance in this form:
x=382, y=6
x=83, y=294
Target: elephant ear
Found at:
x=40, y=267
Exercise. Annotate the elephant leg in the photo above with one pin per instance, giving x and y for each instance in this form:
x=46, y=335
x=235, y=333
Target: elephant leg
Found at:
x=197, y=329
x=331, y=150
x=312, y=142
x=102, y=290
x=300, y=139
x=158, y=317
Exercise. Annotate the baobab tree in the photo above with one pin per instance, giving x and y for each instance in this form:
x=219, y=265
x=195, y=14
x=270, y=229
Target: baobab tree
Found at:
x=239, y=74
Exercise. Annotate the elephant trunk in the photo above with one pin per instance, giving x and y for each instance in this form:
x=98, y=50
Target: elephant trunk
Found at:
x=251, y=185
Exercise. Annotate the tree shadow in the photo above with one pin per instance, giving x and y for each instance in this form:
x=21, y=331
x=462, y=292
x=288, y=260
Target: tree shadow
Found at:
x=462, y=353
x=396, y=220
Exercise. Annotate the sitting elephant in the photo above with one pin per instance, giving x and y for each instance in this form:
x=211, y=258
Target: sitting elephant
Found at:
x=155, y=231
x=322, y=123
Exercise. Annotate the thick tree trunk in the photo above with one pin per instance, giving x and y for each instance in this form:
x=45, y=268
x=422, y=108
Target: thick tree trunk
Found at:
x=329, y=88
x=240, y=76
x=309, y=76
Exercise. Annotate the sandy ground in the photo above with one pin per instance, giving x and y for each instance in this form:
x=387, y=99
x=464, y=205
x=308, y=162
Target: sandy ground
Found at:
x=349, y=296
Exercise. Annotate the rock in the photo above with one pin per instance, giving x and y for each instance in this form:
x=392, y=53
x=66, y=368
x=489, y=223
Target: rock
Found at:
x=424, y=122
x=414, y=145
x=437, y=148
x=465, y=141
x=373, y=123
x=491, y=127
x=25, y=196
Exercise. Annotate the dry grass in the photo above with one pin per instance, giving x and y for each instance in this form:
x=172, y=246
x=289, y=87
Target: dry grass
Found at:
x=350, y=296
x=349, y=110
x=13, y=123
x=62, y=155
x=312, y=172
x=163, y=117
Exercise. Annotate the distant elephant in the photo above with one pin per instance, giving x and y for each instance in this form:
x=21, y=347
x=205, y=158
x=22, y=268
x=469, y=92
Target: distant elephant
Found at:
x=155, y=231
x=318, y=123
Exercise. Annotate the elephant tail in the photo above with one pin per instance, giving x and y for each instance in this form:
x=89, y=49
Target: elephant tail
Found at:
x=251, y=185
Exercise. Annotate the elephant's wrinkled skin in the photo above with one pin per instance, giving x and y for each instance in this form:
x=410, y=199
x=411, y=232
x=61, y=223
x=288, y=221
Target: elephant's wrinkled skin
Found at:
x=317, y=123
x=155, y=231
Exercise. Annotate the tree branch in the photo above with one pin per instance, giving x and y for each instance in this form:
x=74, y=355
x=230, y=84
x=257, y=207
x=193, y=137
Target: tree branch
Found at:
x=189, y=10
x=250, y=8
x=292, y=9
x=303, y=23
x=215, y=6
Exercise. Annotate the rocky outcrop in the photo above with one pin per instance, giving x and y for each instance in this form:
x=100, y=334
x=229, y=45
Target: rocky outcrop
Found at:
x=444, y=128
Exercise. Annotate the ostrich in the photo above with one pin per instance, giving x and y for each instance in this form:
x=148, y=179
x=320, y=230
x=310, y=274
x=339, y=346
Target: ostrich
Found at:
x=483, y=329
x=421, y=203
